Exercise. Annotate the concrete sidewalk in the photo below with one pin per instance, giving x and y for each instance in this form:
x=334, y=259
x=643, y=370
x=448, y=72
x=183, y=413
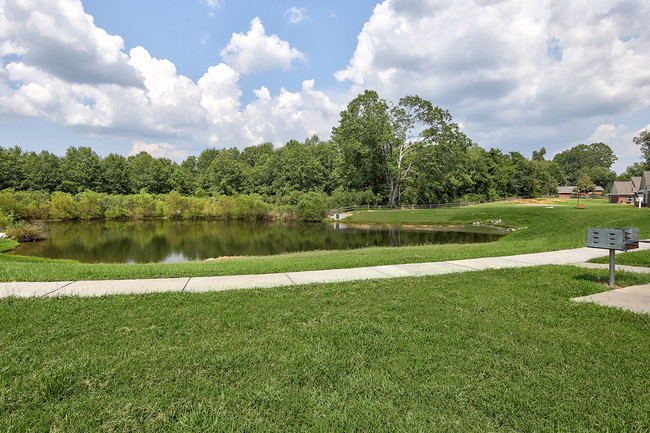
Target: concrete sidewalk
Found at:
x=208, y=284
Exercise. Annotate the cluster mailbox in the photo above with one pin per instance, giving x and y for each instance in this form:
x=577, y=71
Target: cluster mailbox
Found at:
x=616, y=238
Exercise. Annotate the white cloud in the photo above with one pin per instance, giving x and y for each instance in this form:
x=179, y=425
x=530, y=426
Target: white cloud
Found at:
x=157, y=150
x=619, y=138
x=165, y=107
x=289, y=115
x=58, y=37
x=255, y=52
x=296, y=15
x=510, y=69
x=212, y=5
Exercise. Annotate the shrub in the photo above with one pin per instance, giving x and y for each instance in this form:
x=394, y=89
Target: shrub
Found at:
x=312, y=208
x=27, y=232
x=63, y=206
x=90, y=205
x=175, y=205
x=142, y=206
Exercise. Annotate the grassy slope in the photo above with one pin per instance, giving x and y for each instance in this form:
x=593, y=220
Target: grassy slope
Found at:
x=546, y=229
x=486, y=351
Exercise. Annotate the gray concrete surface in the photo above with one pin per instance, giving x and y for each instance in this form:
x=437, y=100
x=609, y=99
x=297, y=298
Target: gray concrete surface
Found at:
x=575, y=256
x=633, y=298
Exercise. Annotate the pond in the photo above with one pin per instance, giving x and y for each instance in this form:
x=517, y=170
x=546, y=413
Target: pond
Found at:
x=165, y=241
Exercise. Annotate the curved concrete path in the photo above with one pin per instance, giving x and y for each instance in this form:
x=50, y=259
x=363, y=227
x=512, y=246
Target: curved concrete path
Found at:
x=207, y=284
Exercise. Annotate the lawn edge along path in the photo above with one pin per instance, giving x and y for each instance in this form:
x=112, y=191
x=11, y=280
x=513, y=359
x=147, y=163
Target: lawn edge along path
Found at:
x=231, y=282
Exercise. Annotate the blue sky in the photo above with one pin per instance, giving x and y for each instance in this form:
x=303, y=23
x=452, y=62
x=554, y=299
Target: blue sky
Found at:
x=174, y=77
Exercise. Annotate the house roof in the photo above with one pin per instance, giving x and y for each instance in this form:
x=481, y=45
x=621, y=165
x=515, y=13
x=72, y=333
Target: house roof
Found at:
x=622, y=187
x=599, y=188
x=645, y=180
x=636, y=180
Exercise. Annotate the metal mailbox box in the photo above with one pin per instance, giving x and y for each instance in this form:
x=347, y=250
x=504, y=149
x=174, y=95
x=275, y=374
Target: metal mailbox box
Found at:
x=613, y=238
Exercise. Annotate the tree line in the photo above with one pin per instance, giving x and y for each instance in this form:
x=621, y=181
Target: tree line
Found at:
x=379, y=153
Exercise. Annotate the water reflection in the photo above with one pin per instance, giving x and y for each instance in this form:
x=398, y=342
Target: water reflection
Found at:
x=177, y=241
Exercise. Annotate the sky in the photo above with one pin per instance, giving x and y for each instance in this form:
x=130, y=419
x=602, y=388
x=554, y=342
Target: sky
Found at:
x=174, y=77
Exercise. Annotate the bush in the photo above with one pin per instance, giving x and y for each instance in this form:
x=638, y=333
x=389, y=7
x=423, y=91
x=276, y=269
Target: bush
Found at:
x=90, y=205
x=175, y=205
x=312, y=208
x=114, y=206
x=142, y=206
x=63, y=207
x=27, y=232
x=5, y=220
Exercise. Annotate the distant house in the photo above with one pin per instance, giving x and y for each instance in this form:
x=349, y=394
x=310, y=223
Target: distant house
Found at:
x=624, y=191
x=631, y=191
x=644, y=188
x=565, y=191
x=568, y=191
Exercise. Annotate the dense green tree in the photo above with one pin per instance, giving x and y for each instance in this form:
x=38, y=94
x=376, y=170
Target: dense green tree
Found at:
x=389, y=140
x=203, y=164
x=11, y=167
x=160, y=175
x=586, y=158
x=643, y=141
x=80, y=170
x=257, y=162
x=114, y=175
x=297, y=168
x=41, y=171
x=139, y=170
x=538, y=155
x=363, y=129
x=226, y=173
x=185, y=176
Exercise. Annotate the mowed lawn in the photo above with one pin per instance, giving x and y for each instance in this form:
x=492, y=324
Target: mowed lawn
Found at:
x=540, y=225
x=498, y=350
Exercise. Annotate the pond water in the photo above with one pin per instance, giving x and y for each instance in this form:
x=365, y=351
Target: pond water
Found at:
x=164, y=241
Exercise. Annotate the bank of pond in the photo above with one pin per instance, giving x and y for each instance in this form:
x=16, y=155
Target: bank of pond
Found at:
x=167, y=241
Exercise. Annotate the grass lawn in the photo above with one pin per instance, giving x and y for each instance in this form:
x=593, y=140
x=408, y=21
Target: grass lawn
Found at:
x=498, y=350
x=541, y=225
x=641, y=258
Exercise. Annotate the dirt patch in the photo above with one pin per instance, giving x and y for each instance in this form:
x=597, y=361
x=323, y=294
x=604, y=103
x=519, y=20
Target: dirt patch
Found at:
x=536, y=201
x=218, y=259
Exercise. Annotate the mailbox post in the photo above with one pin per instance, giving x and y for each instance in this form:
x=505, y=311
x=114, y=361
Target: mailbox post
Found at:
x=613, y=239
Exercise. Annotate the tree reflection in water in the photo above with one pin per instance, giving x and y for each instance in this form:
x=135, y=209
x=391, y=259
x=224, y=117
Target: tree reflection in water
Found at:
x=176, y=241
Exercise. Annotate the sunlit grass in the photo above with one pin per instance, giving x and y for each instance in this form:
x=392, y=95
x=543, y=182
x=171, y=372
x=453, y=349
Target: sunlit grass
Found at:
x=484, y=351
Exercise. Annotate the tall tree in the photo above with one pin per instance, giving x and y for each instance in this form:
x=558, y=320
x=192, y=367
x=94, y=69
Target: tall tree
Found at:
x=590, y=159
x=41, y=171
x=643, y=141
x=115, y=175
x=380, y=144
x=11, y=167
x=80, y=170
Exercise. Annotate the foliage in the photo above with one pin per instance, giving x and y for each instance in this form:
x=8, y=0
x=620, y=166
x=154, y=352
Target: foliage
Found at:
x=90, y=205
x=595, y=159
x=312, y=208
x=643, y=141
x=63, y=206
x=26, y=232
x=410, y=152
x=584, y=184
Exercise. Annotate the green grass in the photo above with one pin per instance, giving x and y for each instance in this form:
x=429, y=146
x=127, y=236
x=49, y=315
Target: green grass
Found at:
x=538, y=228
x=498, y=350
x=637, y=258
